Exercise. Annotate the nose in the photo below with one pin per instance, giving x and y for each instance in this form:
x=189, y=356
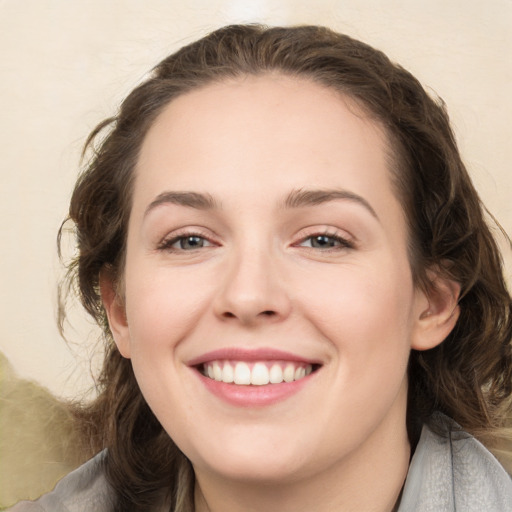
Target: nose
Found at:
x=252, y=290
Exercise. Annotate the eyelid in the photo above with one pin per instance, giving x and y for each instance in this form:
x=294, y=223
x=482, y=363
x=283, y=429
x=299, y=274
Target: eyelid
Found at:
x=171, y=238
x=347, y=240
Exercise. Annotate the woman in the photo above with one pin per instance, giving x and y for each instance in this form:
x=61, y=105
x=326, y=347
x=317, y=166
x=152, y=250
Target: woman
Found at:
x=303, y=306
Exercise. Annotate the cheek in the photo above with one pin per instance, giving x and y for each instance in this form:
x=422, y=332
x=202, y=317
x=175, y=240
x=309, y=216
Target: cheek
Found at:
x=366, y=314
x=162, y=308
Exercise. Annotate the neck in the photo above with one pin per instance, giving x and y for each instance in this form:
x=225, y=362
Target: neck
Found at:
x=370, y=479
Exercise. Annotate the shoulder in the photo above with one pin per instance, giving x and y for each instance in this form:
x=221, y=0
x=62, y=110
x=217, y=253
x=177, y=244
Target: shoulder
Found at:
x=452, y=471
x=85, y=488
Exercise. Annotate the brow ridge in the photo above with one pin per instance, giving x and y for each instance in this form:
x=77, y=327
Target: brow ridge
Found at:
x=302, y=198
x=298, y=198
x=189, y=199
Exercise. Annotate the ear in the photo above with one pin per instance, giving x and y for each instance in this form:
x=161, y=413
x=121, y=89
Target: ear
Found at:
x=116, y=313
x=436, y=312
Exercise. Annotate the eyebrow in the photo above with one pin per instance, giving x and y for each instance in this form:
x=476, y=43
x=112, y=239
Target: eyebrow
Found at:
x=189, y=199
x=299, y=198
x=303, y=198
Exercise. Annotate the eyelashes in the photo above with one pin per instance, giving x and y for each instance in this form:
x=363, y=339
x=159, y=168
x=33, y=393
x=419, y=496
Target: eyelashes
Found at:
x=326, y=242
x=193, y=241
x=185, y=242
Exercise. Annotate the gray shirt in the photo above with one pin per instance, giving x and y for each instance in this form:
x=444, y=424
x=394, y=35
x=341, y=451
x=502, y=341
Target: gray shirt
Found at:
x=449, y=472
x=453, y=472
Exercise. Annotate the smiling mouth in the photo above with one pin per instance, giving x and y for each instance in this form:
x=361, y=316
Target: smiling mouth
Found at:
x=256, y=373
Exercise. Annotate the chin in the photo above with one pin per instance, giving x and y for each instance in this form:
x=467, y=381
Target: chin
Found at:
x=262, y=469
x=261, y=457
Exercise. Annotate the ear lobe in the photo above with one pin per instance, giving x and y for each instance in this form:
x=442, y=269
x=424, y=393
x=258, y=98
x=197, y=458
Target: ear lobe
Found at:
x=116, y=313
x=437, y=312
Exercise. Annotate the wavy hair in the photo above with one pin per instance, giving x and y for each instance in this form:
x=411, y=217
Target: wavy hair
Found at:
x=468, y=377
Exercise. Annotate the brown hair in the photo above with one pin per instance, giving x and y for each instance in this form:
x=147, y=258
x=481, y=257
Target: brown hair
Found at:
x=447, y=232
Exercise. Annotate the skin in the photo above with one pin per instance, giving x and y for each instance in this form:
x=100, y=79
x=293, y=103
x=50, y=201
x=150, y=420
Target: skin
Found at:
x=260, y=281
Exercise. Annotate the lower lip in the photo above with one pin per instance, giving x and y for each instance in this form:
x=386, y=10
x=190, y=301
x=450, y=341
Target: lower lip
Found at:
x=253, y=396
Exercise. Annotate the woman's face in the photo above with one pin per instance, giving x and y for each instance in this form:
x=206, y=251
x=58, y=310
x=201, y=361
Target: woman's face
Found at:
x=266, y=246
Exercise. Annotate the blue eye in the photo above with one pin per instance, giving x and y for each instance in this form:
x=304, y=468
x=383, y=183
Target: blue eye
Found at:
x=325, y=242
x=190, y=242
x=185, y=243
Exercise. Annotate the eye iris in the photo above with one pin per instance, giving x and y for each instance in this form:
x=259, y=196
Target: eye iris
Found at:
x=191, y=242
x=323, y=241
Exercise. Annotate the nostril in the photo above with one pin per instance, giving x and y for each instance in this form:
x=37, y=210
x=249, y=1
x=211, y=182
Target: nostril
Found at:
x=267, y=313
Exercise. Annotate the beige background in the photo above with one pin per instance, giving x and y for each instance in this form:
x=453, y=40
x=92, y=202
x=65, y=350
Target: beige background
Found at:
x=65, y=65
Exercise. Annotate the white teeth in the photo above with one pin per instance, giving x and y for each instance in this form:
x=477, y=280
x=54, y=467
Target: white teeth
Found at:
x=242, y=374
x=276, y=374
x=217, y=371
x=257, y=374
x=300, y=373
x=289, y=373
x=260, y=375
x=228, y=374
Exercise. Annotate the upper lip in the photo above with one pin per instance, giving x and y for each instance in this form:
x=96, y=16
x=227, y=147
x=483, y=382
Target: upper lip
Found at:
x=243, y=354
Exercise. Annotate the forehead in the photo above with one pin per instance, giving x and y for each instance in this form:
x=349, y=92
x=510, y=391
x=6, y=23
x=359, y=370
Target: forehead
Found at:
x=269, y=132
